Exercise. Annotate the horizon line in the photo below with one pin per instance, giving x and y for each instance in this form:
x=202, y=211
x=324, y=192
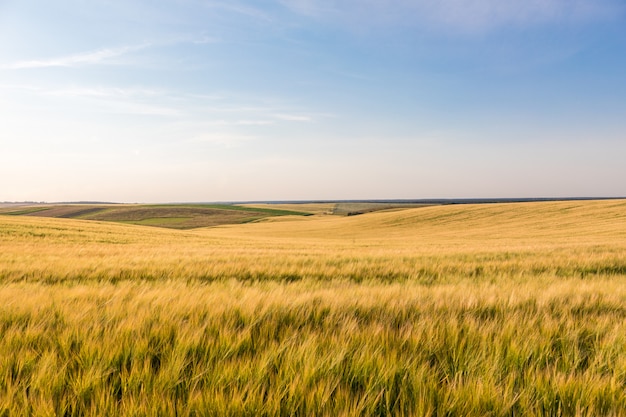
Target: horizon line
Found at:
x=465, y=200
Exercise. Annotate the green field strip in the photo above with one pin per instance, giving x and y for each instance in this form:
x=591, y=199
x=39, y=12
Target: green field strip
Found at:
x=274, y=212
x=25, y=211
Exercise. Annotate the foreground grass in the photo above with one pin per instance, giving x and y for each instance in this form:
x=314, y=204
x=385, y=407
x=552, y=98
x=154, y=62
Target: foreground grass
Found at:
x=477, y=310
x=551, y=348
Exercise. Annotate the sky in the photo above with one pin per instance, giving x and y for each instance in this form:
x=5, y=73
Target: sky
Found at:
x=215, y=100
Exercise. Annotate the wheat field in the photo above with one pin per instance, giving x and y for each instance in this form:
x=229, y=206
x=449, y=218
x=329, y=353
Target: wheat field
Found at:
x=473, y=310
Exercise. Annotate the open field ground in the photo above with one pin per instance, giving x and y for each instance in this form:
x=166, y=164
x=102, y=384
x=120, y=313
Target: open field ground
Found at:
x=473, y=310
x=339, y=208
x=311, y=208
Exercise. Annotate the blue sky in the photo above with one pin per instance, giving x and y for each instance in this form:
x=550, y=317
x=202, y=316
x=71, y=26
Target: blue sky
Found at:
x=202, y=100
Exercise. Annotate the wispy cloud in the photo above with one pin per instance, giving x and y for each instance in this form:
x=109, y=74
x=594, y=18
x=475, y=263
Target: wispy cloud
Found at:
x=111, y=100
x=488, y=14
x=238, y=8
x=316, y=7
x=86, y=58
x=104, y=92
x=137, y=101
x=255, y=122
x=222, y=139
x=204, y=40
x=293, y=117
x=215, y=110
x=463, y=15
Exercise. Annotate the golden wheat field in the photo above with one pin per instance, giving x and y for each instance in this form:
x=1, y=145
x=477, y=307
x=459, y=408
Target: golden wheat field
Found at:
x=461, y=310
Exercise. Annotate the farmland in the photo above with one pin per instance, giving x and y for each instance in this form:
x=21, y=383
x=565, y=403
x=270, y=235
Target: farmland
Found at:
x=498, y=309
x=173, y=216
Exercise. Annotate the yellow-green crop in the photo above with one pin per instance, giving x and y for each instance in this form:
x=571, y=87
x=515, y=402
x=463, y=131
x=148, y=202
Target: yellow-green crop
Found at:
x=507, y=309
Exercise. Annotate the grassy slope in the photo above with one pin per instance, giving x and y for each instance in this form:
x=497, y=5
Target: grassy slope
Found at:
x=458, y=310
x=311, y=208
x=339, y=208
x=174, y=216
x=429, y=245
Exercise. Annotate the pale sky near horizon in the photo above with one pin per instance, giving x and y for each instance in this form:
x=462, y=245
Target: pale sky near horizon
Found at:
x=215, y=100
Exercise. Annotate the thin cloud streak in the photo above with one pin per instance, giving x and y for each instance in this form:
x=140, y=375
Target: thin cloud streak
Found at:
x=132, y=101
x=88, y=58
x=162, y=102
x=480, y=15
x=105, y=55
x=236, y=7
x=101, y=92
x=226, y=140
x=457, y=15
x=255, y=122
x=293, y=117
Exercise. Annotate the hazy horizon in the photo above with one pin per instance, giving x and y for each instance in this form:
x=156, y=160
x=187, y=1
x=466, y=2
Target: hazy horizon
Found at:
x=211, y=100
